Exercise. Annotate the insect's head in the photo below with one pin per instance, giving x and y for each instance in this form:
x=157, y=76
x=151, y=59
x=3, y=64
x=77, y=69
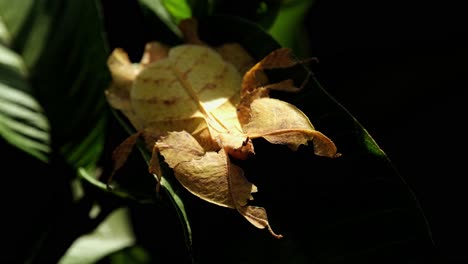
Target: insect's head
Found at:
x=243, y=152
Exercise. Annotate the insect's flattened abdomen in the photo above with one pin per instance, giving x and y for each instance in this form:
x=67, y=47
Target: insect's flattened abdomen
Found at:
x=212, y=79
x=235, y=54
x=193, y=81
x=158, y=95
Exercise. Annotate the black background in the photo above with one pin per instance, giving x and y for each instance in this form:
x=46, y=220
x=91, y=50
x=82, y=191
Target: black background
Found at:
x=400, y=68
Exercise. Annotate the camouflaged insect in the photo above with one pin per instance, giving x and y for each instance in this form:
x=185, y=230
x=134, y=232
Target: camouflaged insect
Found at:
x=200, y=106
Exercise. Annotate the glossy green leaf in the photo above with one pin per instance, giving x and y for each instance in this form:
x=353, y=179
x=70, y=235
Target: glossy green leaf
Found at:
x=29, y=23
x=113, y=234
x=14, y=15
x=22, y=119
x=5, y=37
x=288, y=28
x=175, y=198
x=179, y=9
x=130, y=255
x=158, y=8
x=52, y=100
x=90, y=177
x=65, y=53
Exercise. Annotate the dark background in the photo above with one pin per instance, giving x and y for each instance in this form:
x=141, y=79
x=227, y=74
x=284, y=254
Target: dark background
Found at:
x=400, y=68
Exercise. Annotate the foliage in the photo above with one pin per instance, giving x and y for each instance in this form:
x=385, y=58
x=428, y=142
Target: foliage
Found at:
x=53, y=113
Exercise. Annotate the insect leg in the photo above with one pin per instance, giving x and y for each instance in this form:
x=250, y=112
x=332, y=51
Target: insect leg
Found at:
x=121, y=153
x=189, y=28
x=154, y=166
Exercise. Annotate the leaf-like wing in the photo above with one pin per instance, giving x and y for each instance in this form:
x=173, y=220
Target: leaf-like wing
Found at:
x=239, y=187
x=283, y=123
x=205, y=174
x=211, y=176
x=191, y=82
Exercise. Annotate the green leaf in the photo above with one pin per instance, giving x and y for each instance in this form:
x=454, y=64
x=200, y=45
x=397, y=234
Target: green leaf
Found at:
x=30, y=24
x=260, y=12
x=181, y=212
x=113, y=234
x=288, y=28
x=130, y=255
x=158, y=8
x=14, y=15
x=5, y=37
x=65, y=53
x=22, y=119
x=64, y=70
x=91, y=178
x=179, y=9
x=61, y=47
